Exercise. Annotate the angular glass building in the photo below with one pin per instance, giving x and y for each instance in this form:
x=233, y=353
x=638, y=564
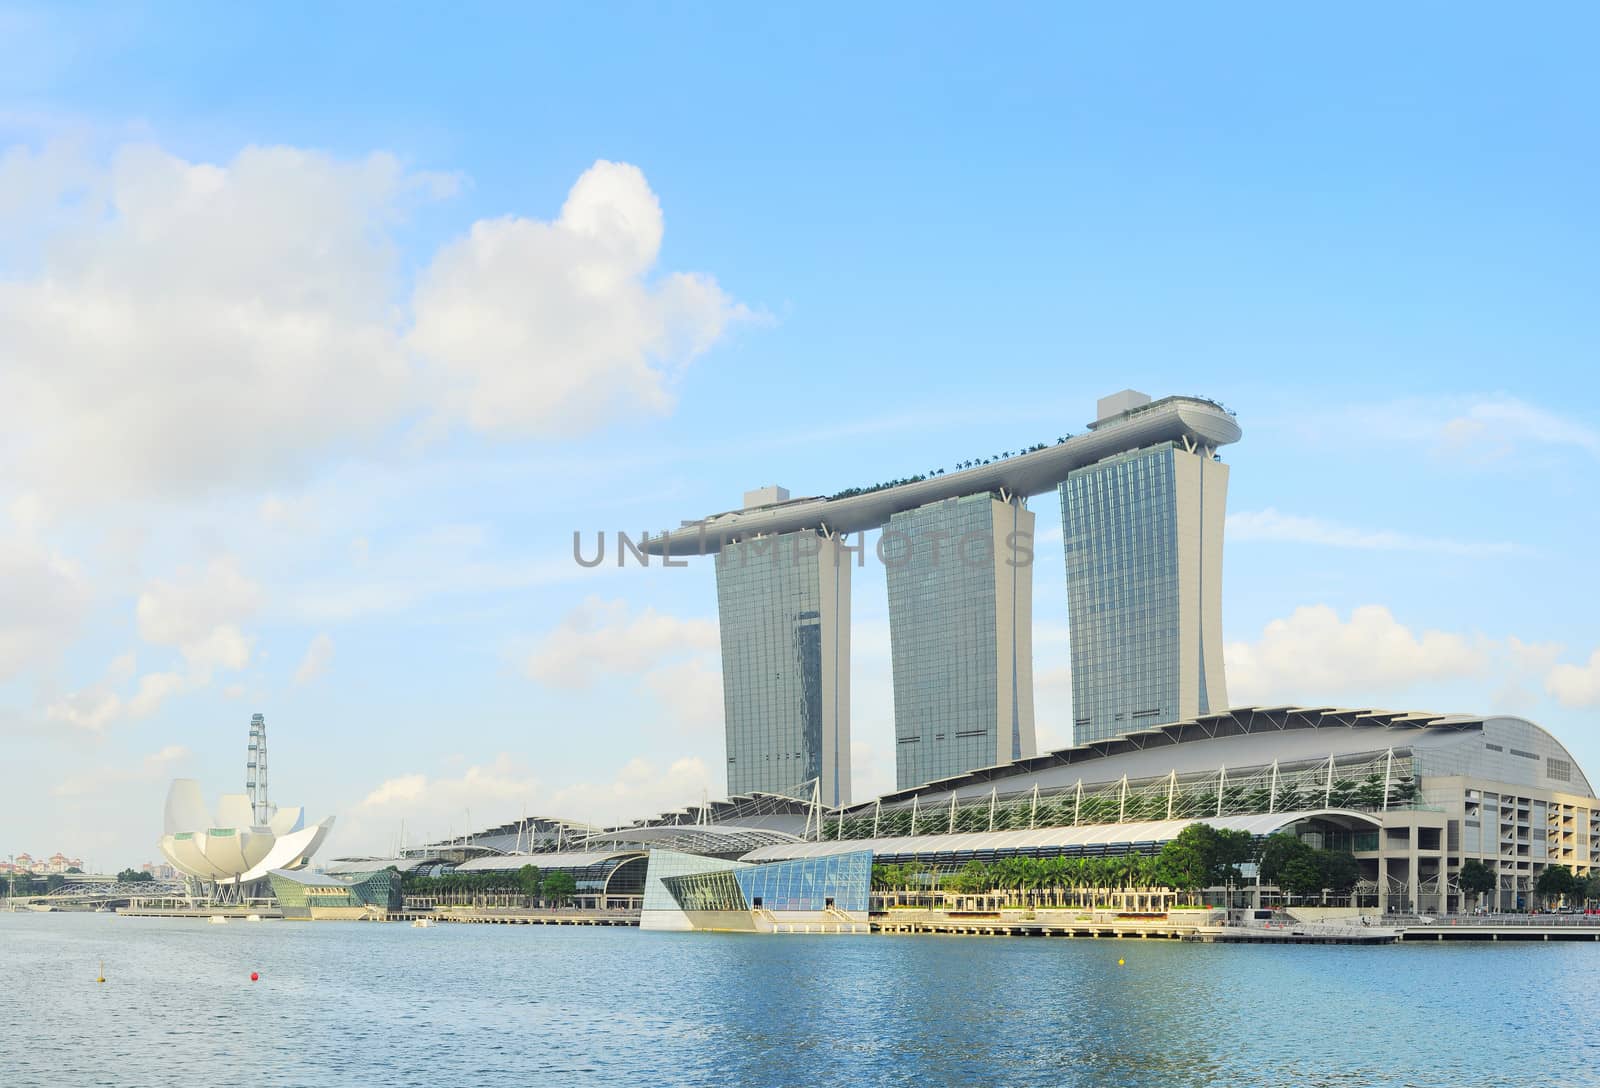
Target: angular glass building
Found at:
x=318, y=895
x=960, y=576
x=784, y=606
x=1143, y=536
x=809, y=895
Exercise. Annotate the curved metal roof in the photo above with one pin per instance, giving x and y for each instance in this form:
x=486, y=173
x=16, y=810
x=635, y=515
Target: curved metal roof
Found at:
x=1240, y=737
x=698, y=838
x=1049, y=839
x=1171, y=419
x=567, y=859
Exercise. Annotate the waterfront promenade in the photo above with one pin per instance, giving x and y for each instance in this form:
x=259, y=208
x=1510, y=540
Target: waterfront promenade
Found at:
x=1211, y=926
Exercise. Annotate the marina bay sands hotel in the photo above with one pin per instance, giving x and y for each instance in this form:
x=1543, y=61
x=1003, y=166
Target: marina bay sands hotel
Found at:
x=1143, y=497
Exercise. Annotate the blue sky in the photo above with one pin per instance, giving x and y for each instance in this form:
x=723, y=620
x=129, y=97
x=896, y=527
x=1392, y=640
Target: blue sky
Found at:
x=307, y=377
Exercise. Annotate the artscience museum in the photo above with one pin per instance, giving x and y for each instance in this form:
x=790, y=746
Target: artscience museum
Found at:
x=247, y=836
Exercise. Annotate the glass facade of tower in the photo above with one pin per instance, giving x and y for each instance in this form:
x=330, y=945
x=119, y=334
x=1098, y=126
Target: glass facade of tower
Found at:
x=774, y=604
x=1120, y=523
x=948, y=626
x=1143, y=540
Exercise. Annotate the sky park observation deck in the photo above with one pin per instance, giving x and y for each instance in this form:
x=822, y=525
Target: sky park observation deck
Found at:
x=1143, y=499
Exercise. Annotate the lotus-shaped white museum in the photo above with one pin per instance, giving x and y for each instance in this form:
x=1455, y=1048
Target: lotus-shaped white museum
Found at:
x=234, y=847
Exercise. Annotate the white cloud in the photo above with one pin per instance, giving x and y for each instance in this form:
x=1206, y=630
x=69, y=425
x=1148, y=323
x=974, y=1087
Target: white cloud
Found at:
x=186, y=327
x=1575, y=685
x=600, y=638
x=691, y=693
x=553, y=328
x=200, y=615
x=99, y=706
x=639, y=789
x=1313, y=655
x=43, y=599
x=195, y=326
x=1494, y=425
x=1478, y=428
x=152, y=768
x=405, y=788
x=434, y=807
x=1270, y=525
x=1525, y=665
x=506, y=788
x=319, y=655
x=154, y=688
x=93, y=709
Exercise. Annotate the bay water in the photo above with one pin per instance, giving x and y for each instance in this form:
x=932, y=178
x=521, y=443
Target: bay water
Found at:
x=352, y=1004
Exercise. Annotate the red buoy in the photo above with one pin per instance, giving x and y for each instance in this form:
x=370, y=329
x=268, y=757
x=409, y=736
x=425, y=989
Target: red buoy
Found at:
x=254, y=977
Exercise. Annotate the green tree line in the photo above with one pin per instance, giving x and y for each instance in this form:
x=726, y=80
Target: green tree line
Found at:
x=1201, y=856
x=552, y=889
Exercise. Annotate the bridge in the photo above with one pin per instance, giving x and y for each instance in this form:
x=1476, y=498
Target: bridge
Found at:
x=94, y=894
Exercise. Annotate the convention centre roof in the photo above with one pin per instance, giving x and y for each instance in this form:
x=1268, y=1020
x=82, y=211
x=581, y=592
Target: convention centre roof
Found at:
x=1049, y=841
x=1257, y=736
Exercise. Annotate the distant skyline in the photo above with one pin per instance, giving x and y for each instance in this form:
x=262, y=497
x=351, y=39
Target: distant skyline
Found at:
x=321, y=335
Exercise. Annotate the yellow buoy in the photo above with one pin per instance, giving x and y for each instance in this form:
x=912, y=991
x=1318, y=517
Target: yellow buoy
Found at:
x=1121, y=962
x=102, y=977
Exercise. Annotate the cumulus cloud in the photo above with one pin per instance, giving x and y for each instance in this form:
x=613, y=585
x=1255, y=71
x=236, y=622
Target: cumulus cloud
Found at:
x=189, y=327
x=195, y=326
x=1270, y=525
x=1575, y=685
x=99, y=706
x=406, y=788
x=200, y=615
x=154, y=689
x=436, y=806
x=43, y=599
x=690, y=692
x=93, y=709
x=504, y=789
x=1315, y=655
x=602, y=638
x=319, y=655
x=554, y=327
x=639, y=789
